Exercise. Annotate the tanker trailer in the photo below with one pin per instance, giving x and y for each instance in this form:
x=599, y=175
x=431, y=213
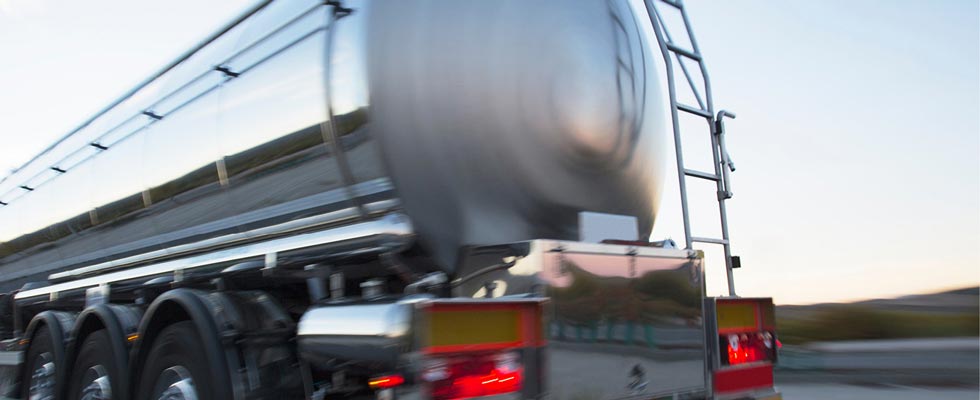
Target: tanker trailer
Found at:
x=375, y=200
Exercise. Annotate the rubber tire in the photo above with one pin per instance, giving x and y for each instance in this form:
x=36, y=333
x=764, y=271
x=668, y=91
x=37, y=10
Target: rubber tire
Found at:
x=177, y=344
x=40, y=344
x=95, y=350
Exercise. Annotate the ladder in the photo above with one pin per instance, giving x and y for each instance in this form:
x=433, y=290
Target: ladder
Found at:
x=705, y=110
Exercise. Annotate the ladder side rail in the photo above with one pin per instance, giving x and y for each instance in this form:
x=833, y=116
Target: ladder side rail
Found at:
x=719, y=158
x=654, y=17
x=694, y=89
x=695, y=55
x=690, y=32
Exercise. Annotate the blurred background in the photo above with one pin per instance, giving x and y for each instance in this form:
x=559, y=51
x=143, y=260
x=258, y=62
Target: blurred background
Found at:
x=857, y=142
x=857, y=194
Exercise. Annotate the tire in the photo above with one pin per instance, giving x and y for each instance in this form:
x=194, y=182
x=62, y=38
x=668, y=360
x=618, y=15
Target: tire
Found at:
x=95, y=375
x=40, y=367
x=176, y=365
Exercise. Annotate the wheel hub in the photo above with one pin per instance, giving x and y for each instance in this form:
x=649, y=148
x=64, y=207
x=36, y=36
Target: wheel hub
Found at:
x=99, y=387
x=175, y=383
x=42, y=378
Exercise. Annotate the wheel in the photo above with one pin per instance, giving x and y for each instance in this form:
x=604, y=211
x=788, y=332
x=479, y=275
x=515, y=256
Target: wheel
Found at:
x=40, y=373
x=176, y=367
x=95, y=375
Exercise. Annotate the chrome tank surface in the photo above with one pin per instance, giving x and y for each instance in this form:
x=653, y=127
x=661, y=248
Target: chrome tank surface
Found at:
x=361, y=333
x=501, y=121
x=483, y=122
x=230, y=146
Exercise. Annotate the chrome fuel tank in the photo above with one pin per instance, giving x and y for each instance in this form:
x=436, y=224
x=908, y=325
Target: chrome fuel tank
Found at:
x=501, y=121
x=483, y=122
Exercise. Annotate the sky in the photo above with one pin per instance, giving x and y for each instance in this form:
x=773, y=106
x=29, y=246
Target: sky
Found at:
x=857, y=143
x=857, y=140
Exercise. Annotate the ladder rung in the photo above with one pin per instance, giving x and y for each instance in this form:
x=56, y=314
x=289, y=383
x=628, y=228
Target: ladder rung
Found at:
x=693, y=110
x=684, y=52
x=709, y=240
x=699, y=174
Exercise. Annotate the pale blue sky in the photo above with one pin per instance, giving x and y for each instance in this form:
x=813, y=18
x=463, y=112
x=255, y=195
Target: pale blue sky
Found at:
x=857, y=140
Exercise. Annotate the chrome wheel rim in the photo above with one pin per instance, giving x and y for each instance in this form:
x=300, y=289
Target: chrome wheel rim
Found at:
x=175, y=383
x=42, y=378
x=98, y=387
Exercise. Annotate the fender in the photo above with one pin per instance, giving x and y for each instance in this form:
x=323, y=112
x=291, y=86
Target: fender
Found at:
x=184, y=304
x=59, y=323
x=120, y=322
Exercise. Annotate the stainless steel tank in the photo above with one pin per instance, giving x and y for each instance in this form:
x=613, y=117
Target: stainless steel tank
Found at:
x=484, y=122
x=500, y=121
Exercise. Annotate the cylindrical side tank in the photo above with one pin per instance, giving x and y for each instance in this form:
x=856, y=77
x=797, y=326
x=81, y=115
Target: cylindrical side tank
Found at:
x=484, y=122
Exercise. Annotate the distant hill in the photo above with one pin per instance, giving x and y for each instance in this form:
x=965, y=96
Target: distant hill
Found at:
x=953, y=301
x=945, y=314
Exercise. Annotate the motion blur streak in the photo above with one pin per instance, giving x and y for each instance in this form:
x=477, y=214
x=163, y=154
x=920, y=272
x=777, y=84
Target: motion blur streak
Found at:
x=501, y=120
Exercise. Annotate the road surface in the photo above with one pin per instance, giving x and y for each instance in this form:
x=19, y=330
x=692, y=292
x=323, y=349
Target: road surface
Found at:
x=838, y=391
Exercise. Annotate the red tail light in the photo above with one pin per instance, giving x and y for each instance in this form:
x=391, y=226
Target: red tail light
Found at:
x=748, y=347
x=463, y=377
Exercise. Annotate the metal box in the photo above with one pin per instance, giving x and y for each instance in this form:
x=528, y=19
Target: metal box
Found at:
x=621, y=321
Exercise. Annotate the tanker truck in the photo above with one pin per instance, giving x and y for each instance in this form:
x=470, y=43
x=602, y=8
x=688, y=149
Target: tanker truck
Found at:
x=384, y=200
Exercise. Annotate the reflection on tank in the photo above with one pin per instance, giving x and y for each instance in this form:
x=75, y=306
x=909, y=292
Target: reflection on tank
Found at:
x=618, y=310
x=251, y=162
x=628, y=317
x=637, y=320
x=302, y=113
x=623, y=300
x=497, y=128
x=165, y=213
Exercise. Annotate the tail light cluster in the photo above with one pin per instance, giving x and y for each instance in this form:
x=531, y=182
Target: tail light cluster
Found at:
x=745, y=348
x=476, y=348
x=466, y=376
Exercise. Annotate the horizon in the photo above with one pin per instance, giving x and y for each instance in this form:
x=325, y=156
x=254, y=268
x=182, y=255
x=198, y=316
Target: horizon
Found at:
x=856, y=301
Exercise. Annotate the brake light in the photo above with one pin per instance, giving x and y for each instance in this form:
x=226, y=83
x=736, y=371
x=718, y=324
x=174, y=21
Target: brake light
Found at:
x=746, y=348
x=745, y=345
x=467, y=376
x=475, y=348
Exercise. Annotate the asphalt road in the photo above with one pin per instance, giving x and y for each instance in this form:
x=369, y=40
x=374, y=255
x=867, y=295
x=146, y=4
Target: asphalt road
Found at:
x=948, y=369
x=838, y=391
x=832, y=391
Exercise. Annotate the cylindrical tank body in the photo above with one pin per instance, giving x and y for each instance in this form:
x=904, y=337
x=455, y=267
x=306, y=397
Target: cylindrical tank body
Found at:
x=500, y=121
x=484, y=122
